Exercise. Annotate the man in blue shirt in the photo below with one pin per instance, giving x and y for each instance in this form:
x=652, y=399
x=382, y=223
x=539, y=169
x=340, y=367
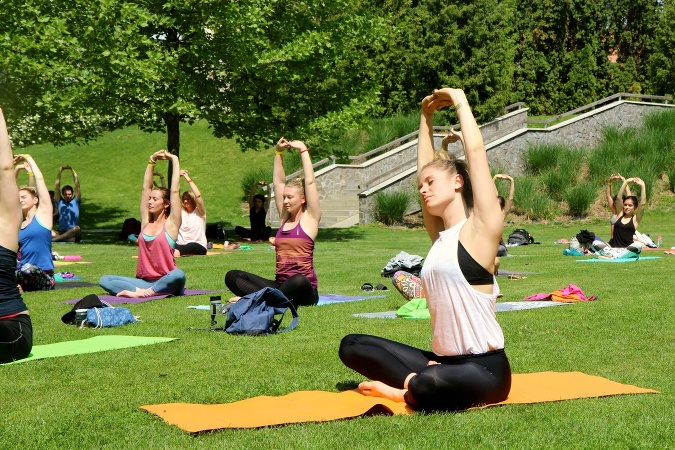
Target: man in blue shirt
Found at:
x=68, y=200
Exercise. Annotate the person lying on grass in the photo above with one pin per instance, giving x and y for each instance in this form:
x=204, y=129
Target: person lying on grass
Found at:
x=467, y=365
x=16, y=328
x=298, y=204
x=156, y=272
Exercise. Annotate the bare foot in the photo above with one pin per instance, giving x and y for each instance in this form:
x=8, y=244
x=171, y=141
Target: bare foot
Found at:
x=234, y=299
x=379, y=389
x=138, y=293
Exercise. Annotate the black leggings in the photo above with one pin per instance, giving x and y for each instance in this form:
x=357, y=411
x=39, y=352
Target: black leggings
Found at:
x=298, y=289
x=16, y=338
x=258, y=235
x=191, y=248
x=457, y=383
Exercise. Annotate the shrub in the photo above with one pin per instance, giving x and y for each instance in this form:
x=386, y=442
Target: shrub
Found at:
x=391, y=206
x=671, y=179
x=530, y=198
x=253, y=176
x=541, y=158
x=580, y=197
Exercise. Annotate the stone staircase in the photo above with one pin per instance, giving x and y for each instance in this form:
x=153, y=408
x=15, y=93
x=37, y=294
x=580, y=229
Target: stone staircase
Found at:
x=347, y=191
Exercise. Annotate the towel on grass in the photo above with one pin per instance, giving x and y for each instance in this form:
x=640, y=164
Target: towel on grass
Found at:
x=113, y=300
x=570, y=294
x=91, y=345
x=328, y=299
x=320, y=406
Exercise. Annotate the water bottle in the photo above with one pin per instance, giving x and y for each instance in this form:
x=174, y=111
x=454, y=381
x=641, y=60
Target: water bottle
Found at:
x=215, y=309
x=658, y=241
x=80, y=317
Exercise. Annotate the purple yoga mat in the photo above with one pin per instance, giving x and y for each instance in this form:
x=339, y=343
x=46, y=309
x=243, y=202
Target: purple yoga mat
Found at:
x=111, y=299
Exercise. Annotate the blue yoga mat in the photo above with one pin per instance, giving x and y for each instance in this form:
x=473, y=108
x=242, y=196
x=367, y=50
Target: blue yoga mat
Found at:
x=642, y=258
x=329, y=299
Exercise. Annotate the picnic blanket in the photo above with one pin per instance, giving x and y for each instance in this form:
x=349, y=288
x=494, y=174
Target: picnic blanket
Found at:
x=501, y=307
x=91, y=345
x=113, y=300
x=320, y=406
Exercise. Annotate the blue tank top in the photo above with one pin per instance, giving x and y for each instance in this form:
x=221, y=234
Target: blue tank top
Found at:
x=35, y=245
x=69, y=214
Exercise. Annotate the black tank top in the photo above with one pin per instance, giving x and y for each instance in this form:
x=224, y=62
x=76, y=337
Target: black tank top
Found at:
x=623, y=233
x=474, y=273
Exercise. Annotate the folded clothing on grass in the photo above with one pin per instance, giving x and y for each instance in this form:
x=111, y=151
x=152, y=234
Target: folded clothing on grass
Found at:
x=320, y=406
x=113, y=300
x=91, y=345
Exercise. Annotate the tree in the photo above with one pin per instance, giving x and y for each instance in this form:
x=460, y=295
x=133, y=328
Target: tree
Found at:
x=662, y=61
x=433, y=44
x=253, y=69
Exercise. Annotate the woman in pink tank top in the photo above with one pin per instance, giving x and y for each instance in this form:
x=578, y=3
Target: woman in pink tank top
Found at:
x=156, y=272
x=298, y=204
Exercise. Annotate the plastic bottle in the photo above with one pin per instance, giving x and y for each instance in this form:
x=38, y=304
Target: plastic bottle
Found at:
x=659, y=242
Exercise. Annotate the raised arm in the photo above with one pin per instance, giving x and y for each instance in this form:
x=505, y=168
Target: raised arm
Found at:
x=268, y=194
x=45, y=210
x=147, y=187
x=311, y=190
x=643, y=199
x=610, y=198
x=251, y=193
x=10, y=210
x=508, y=204
x=195, y=190
x=57, y=186
x=76, y=182
x=174, y=220
x=279, y=178
x=486, y=222
x=26, y=167
x=425, y=154
x=618, y=203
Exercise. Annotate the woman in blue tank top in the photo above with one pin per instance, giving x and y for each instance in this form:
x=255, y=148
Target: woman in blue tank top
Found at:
x=16, y=329
x=35, y=265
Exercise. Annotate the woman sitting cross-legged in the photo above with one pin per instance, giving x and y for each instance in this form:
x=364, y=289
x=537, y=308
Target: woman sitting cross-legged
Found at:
x=467, y=365
x=35, y=264
x=156, y=272
x=192, y=232
x=300, y=212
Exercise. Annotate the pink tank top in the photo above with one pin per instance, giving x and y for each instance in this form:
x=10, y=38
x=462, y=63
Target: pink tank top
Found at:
x=295, y=254
x=155, y=258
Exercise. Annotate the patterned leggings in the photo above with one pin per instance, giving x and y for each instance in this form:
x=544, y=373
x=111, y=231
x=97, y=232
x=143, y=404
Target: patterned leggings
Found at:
x=409, y=285
x=32, y=278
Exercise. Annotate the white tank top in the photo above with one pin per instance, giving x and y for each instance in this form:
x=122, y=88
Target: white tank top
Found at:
x=192, y=228
x=463, y=320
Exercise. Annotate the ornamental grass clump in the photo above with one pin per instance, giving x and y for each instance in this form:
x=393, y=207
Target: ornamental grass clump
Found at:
x=390, y=207
x=580, y=197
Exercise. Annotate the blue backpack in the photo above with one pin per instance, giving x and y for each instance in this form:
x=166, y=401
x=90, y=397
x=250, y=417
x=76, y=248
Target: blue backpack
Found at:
x=256, y=314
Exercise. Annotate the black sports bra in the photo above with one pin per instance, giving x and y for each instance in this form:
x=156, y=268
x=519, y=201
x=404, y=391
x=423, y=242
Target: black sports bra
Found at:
x=474, y=273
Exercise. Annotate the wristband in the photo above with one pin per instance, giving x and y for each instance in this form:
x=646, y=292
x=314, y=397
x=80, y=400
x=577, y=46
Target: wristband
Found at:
x=189, y=180
x=279, y=153
x=459, y=105
x=31, y=174
x=305, y=150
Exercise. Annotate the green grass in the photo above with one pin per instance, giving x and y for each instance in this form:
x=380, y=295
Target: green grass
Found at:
x=92, y=401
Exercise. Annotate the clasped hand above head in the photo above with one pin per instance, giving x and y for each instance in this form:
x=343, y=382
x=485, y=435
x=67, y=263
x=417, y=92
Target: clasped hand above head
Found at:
x=283, y=144
x=162, y=154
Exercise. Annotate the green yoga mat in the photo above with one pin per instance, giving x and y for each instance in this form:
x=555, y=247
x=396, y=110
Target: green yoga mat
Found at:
x=91, y=345
x=642, y=258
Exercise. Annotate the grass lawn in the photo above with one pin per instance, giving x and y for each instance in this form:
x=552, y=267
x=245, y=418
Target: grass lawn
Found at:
x=91, y=401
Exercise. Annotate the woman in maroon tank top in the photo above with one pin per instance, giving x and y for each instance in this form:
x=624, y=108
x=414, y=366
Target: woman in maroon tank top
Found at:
x=297, y=202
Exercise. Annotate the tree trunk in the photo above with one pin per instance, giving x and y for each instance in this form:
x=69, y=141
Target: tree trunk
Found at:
x=172, y=139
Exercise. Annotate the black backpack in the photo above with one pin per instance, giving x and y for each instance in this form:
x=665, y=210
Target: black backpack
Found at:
x=520, y=237
x=130, y=226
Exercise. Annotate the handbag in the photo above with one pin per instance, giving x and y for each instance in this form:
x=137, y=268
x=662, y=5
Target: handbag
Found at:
x=257, y=313
x=109, y=317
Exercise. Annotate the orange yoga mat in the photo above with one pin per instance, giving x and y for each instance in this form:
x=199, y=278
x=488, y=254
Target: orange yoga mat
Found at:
x=320, y=406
